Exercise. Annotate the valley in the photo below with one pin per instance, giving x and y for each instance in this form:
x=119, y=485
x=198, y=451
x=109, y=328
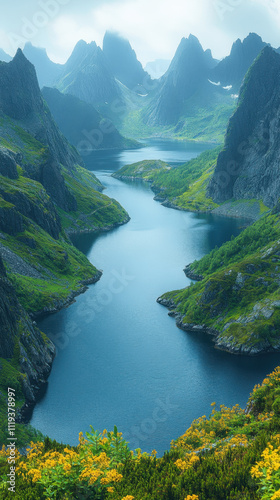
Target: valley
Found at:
x=120, y=194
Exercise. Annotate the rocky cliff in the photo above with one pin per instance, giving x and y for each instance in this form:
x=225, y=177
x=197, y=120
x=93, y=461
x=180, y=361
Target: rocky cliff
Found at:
x=186, y=73
x=21, y=340
x=247, y=168
x=124, y=64
x=87, y=76
x=232, y=69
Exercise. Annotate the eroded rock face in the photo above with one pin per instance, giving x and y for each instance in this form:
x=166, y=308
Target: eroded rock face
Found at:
x=187, y=72
x=232, y=69
x=8, y=166
x=17, y=329
x=248, y=166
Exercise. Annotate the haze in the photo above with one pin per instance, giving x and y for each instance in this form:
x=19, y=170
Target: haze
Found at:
x=154, y=29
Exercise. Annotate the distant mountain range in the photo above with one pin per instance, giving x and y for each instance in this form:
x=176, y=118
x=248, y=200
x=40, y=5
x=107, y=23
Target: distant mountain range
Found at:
x=193, y=99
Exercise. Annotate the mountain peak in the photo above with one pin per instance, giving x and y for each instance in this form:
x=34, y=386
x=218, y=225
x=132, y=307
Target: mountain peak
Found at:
x=249, y=160
x=123, y=62
x=19, y=89
x=232, y=69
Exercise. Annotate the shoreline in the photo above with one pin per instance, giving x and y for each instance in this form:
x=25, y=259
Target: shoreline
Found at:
x=24, y=414
x=219, y=343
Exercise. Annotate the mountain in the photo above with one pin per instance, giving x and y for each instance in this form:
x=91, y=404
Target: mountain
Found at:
x=232, y=69
x=4, y=57
x=187, y=72
x=157, y=68
x=47, y=71
x=82, y=125
x=124, y=64
x=45, y=195
x=248, y=166
x=86, y=75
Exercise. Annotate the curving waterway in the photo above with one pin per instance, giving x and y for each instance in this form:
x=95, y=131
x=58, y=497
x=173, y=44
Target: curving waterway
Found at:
x=121, y=360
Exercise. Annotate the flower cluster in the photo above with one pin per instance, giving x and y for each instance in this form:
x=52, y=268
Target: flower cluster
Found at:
x=267, y=471
x=92, y=465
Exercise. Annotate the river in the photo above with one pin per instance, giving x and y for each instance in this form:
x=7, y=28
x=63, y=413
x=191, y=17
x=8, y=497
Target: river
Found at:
x=121, y=360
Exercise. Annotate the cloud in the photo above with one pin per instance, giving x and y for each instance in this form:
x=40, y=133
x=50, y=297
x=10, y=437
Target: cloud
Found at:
x=154, y=27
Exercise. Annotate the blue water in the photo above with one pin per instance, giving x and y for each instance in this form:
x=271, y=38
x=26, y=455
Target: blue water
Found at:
x=121, y=360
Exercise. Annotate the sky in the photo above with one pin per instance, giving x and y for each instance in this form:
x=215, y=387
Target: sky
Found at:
x=153, y=27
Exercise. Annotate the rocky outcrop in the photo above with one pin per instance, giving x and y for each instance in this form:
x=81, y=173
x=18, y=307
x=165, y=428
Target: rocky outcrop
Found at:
x=8, y=166
x=11, y=221
x=50, y=177
x=191, y=274
x=248, y=166
x=21, y=340
x=43, y=214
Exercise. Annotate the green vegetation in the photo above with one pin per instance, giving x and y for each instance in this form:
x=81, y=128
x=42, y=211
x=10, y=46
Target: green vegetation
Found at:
x=95, y=210
x=226, y=456
x=239, y=296
x=184, y=186
x=202, y=120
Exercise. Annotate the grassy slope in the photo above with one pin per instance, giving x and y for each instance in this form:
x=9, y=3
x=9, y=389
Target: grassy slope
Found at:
x=212, y=460
x=60, y=269
x=240, y=295
x=184, y=186
x=203, y=119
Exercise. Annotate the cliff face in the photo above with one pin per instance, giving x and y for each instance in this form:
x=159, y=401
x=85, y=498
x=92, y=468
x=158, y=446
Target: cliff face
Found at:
x=232, y=69
x=248, y=166
x=87, y=76
x=187, y=72
x=22, y=340
x=124, y=64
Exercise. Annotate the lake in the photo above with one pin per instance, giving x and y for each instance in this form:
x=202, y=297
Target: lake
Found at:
x=121, y=360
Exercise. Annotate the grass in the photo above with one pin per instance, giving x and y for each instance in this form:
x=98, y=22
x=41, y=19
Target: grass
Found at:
x=184, y=187
x=240, y=291
x=214, y=459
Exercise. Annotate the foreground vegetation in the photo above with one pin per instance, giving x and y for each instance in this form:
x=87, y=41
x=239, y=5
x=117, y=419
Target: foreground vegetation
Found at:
x=239, y=295
x=232, y=454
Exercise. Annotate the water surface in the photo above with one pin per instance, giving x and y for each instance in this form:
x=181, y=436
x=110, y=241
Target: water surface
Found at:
x=121, y=359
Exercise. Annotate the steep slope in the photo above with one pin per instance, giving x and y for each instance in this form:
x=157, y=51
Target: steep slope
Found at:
x=248, y=166
x=87, y=76
x=232, y=69
x=82, y=125
x=45, y=194
x=47, y=71
x=20, y=340
x=124, y=64
x=186, y=74
x=238, y=298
